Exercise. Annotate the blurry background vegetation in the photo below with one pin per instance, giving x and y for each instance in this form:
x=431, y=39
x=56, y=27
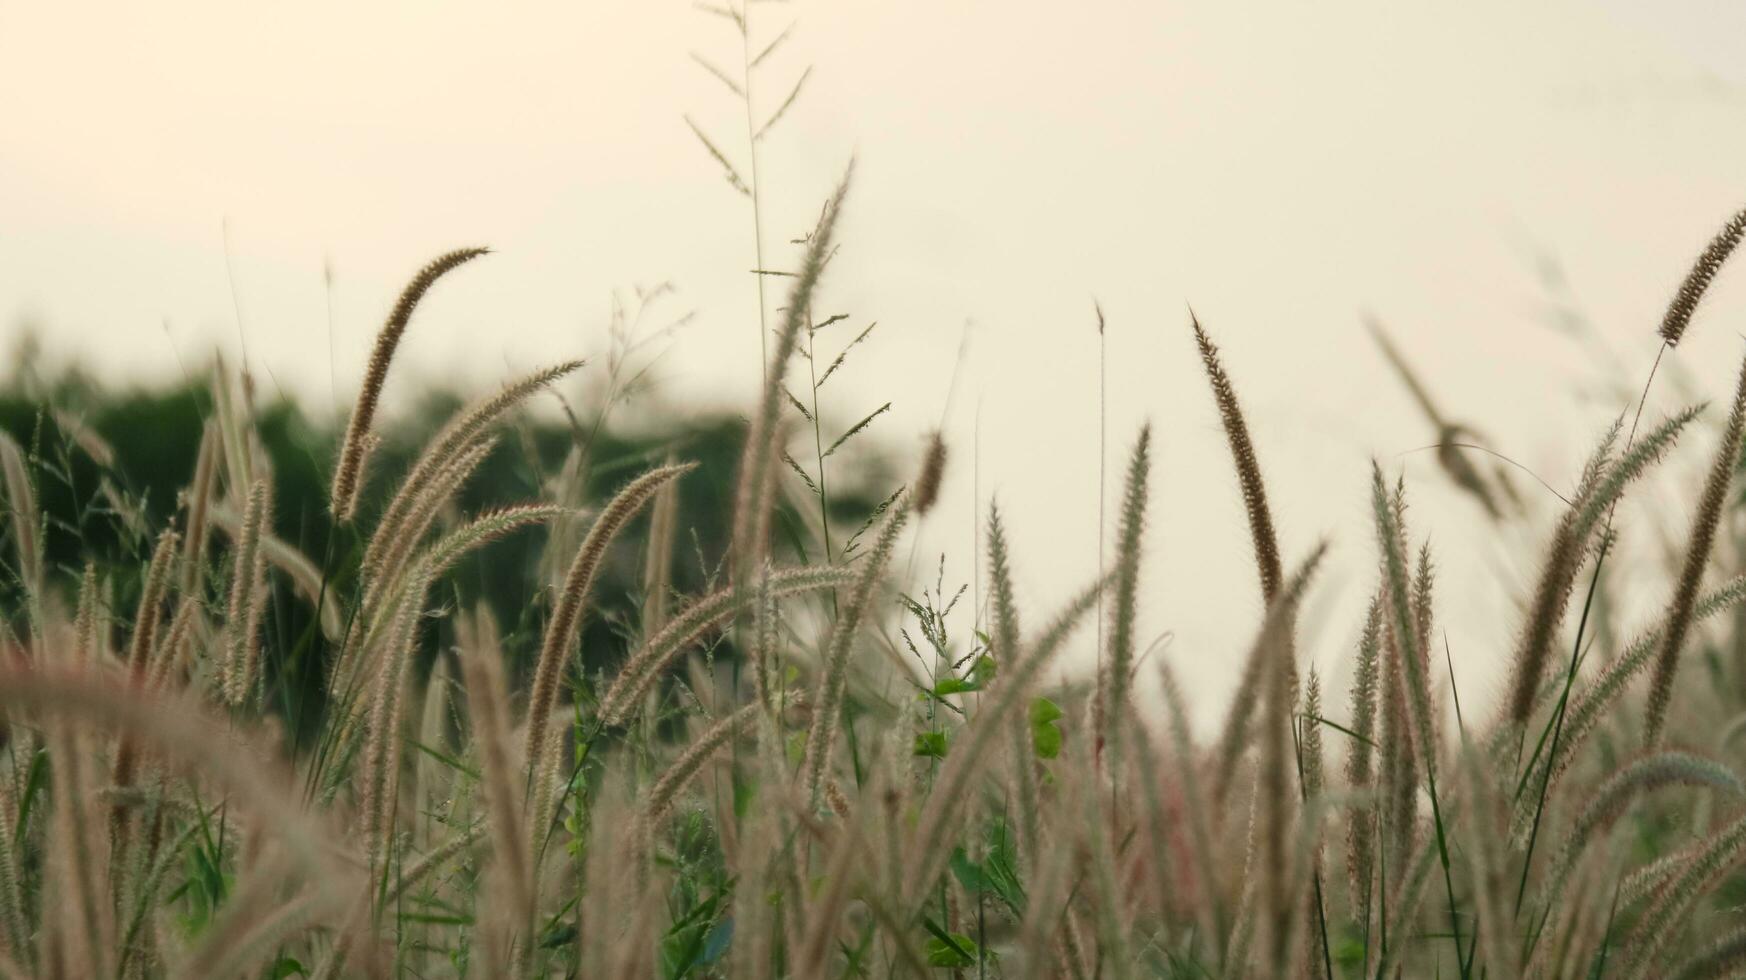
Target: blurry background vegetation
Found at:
x=108, y=464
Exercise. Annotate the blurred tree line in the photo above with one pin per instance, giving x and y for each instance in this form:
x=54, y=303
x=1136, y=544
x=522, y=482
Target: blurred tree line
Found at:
x=108, y=466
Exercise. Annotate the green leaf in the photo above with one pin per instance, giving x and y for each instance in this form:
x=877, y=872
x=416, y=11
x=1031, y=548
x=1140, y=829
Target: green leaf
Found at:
x=949, y=949
x=955, y=685
x=34, y=784
x=287, y=967
x=930, y=744
x=969, y=873
x=1045, y=732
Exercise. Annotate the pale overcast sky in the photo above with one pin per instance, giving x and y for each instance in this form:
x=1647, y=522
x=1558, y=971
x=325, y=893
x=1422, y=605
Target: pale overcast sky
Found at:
x=1281, y=167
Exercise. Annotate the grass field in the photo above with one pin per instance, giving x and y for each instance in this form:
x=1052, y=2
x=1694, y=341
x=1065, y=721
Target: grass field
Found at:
x=734, y=734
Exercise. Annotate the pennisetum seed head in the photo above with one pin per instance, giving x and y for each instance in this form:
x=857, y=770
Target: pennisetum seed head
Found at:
x=348, y=477
x=933, y=472
x=1697, y=281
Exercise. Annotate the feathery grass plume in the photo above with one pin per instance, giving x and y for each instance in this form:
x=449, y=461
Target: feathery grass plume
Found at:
x=1592, y=704
x=1609, y=801
x=833, y=675
x=455, y=436
x=434, y=859
x=187, y=737
x=1697, y=556
x=151, y=600
x=381, y=771
x=21, y=509
x=1450, y=455
x=752, y=495
x=1697, y=281
x=1311, y=762
x=437, y=560
x=1005, y=641
x=235, y=429
x=1273, y=778
x=1725, y=957
x=1604, y=481
x=671, y=782
x=348, y=477
x=173, y=650
x=1360, y=824
x=933, y=473
x=766, y=622
x=383, y=572
x=965, y=761
x=1272, y=641
x=578, y=584
x=1398, y=796
x=248, y=596
x=660, y=650
x=1718, y=855
x=1413, y=675
x=1238, y=944
x=14, y=916
x=139, y=663
x=198, y=500
x=488, y=710
x=85, y=650
x=89, y=440
x=1113, y=682
x=1248, y=467
x=658, y=563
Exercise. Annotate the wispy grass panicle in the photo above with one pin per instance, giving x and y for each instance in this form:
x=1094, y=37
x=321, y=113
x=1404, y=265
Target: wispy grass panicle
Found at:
x=349, y=475
x=658, y=556
x=1697, y=281
x=1591, y=704
x=1278, y=810
x=247, y=596
x=1604, y=481
x=833, y=678
x=481, y=657
x=449, y=443
x=151, y=600
x=561, y=632
x=1118, y=665
x=383, y=569
x=670, y=783
x=1004, y=638
x=1697, y=558
x=1360, y=747
x=659, y=651
x=1404, y=622
x=1266, y=540
x=198, y=503
x=1269, y=671
x=933, y=474
x=1714, y=858
x=25, y=520
x=1607, y=802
